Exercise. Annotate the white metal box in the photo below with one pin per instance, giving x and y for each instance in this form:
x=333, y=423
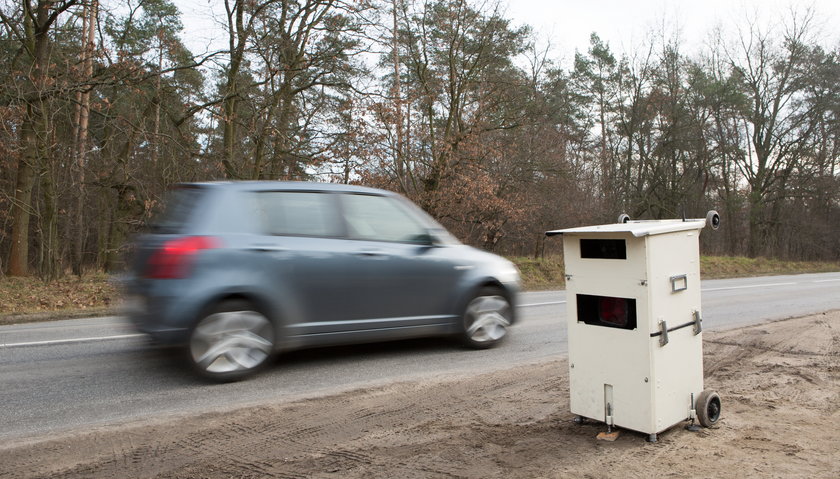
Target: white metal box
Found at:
x=633, y=312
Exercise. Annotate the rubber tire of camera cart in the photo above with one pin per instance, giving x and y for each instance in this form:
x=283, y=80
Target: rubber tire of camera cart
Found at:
x=707, y=407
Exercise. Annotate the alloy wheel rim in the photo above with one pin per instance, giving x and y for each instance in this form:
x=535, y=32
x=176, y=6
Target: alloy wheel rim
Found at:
x=231, y=341
x=488, y=315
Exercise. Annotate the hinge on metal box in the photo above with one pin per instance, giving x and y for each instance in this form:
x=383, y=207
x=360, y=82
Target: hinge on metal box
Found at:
x=663, y=333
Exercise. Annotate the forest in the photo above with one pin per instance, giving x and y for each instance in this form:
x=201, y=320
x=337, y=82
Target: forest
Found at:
x=103, y=107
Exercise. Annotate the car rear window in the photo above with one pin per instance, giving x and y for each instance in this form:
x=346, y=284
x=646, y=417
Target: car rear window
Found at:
x=298, y=213
x=178, y=206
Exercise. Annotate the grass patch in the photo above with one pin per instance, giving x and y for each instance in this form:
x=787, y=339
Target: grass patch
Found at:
x=712, y=267
x=90, y=295
x=541, y=273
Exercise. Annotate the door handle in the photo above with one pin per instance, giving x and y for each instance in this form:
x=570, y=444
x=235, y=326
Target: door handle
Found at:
x=265, y=248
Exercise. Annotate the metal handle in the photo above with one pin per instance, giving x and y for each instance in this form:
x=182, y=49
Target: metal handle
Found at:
x=679, y=283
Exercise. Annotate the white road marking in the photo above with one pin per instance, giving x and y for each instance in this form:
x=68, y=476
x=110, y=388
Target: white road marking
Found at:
x=825, y=280
x=541, y=304
x=70, y=341
x=39, y=327
x=749, y=286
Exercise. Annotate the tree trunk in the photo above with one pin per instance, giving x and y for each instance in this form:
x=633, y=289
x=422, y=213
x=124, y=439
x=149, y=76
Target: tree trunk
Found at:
x=238, y=36
x=88, y=38
x=22, y=206
x=756, y=225
x=398, y=121
x=51, y=267
x=36, y=43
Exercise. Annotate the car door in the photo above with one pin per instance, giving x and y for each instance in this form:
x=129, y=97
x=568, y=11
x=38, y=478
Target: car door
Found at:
x=399, y=279
x=301, y=244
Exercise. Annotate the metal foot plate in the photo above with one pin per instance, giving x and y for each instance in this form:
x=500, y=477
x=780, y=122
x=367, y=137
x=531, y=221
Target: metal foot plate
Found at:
x=608, y=436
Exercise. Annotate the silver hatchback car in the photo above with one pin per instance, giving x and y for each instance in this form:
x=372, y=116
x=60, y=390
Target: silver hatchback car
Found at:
x=237, y=271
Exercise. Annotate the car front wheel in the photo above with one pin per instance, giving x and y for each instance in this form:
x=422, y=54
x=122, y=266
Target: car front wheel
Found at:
x=233, y=340
x=486, y=319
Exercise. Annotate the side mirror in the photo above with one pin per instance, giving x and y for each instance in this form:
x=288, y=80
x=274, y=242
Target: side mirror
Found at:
x=429, y=238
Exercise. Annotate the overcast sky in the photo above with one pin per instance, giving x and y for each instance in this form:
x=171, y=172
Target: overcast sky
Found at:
x=567, y=24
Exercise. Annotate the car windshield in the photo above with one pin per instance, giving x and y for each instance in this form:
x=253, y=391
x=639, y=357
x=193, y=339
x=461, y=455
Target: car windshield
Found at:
x=178, y=206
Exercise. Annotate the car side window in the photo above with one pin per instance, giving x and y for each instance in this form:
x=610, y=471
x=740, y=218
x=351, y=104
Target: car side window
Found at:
x=298, y=213
x=381, y=218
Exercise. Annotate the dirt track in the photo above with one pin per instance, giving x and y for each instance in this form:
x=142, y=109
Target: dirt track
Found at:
x=779, y=382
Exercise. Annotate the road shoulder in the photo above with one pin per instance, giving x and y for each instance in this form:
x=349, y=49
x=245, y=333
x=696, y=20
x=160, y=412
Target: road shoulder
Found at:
x=777, y=381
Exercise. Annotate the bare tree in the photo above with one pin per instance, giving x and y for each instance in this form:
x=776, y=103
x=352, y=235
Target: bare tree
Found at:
x=778, y=128
x=38, y=20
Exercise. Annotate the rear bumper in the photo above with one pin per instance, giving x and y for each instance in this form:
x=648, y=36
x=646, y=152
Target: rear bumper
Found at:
x=172, y=337
x=148, y=322
x=165, y=318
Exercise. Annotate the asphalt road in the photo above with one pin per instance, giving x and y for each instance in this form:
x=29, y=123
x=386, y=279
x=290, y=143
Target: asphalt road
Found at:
x=63, y=376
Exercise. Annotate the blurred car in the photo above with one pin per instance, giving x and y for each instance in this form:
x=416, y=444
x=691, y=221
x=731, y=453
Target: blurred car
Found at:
x=236, y=271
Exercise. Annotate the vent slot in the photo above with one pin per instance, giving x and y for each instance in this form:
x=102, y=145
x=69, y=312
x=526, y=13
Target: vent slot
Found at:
x=603, y=248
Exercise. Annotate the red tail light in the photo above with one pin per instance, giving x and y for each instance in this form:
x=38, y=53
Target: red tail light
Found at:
x=174, y=259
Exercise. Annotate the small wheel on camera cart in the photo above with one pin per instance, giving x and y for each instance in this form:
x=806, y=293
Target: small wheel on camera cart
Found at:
x=708, y=408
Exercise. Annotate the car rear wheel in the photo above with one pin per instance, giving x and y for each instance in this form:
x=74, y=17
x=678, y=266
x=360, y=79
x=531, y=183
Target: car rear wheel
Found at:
x=233, y=340
x=486, y=319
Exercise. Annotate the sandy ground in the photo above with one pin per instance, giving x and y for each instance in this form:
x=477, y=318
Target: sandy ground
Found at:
x=779, y=382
